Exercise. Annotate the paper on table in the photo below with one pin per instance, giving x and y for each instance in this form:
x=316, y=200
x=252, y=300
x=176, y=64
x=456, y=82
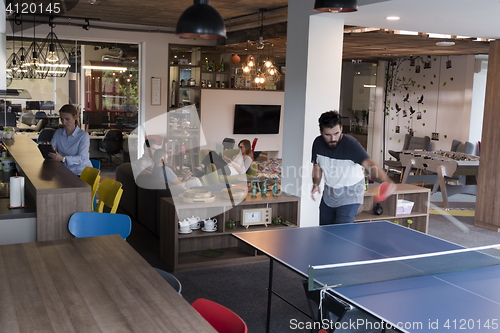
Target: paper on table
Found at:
x=16, y=192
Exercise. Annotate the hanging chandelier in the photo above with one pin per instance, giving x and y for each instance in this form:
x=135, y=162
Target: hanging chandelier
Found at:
x=248, y=66
x=22, y=55
x=56, y=62
x=269, y=70
x=34, y=59
x=13, y=66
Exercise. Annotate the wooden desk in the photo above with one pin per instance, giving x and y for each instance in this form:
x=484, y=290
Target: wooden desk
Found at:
x=57, y=191
x=95, y=284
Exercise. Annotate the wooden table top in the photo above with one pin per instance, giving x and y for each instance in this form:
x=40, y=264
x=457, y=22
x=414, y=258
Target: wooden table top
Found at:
x=95, y=284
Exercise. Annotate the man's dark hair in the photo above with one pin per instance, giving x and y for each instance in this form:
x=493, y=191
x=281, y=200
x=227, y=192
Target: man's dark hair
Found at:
x=329, y=119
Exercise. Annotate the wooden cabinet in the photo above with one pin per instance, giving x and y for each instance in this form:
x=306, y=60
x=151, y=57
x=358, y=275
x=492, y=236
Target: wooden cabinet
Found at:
x=419, y=215
x=186, y=251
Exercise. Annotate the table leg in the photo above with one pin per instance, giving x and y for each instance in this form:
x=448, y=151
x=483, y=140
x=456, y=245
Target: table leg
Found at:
x=269, y=294
x=442, y=185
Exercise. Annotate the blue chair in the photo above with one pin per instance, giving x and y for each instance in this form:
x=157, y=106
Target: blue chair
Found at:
x=172, y=280
x=89, y=224
x=96, y=163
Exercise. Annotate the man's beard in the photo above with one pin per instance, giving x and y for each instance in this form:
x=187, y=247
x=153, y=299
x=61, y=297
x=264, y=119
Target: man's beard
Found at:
x=332, y=144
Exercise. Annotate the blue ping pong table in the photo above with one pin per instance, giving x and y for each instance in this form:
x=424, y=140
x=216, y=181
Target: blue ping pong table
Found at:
x=465, y=300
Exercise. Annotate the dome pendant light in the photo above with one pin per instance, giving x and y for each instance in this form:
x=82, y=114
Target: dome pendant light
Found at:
x=201, y=21
x=336, y=6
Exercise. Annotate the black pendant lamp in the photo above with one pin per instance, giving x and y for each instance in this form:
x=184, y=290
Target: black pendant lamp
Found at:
x=201, y=21
x=336, y=6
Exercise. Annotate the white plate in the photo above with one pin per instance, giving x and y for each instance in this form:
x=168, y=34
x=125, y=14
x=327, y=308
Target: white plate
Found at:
x=208, y=230
x=185, y=232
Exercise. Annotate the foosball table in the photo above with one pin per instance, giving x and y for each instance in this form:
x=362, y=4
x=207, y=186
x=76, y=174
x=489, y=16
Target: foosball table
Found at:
x=446, y=170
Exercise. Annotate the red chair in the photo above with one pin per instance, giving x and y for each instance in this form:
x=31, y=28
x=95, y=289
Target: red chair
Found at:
x=220, y=317
x=254, y=143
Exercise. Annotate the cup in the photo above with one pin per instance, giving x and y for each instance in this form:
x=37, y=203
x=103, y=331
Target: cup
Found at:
x=7, y=164
x=210, y=224
x=195, y=225
x=184, y=228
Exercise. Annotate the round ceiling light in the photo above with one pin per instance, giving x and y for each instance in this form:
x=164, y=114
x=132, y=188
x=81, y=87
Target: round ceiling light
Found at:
x=445, y=43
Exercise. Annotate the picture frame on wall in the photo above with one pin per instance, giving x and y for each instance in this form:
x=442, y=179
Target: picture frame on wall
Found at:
x=155, y=91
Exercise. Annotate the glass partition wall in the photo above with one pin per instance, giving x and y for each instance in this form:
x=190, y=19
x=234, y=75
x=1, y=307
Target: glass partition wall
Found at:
x=102, y=82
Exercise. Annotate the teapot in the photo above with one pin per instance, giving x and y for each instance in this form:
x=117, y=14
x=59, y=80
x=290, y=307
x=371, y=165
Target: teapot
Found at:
x=184, y=223
x=191, y=82
x=193, y=219
x=194, y=222
x=184, y=226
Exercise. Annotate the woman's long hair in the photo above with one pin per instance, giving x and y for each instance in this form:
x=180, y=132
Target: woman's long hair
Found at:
x=248, y=147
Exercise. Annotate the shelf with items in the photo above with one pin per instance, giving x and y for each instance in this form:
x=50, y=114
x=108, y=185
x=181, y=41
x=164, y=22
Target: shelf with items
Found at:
x=418, y=217
x=184, y=76
x=183, y=138
x=185, y=251
x=218, y=67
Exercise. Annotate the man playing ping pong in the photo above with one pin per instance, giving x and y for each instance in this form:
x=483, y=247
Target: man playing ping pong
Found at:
x=341, y=159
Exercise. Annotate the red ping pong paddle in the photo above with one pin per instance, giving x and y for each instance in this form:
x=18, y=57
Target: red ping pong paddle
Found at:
x=383, y=192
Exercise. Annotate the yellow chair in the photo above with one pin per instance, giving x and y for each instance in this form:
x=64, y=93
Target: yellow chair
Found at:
x=110, y=192
x=91, y=176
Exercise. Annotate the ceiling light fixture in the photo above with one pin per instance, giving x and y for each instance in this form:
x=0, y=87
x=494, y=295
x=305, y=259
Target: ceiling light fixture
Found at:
x=336, y=6
x=392, y=18
x=56, y=56
x=260, y=41
x=34, y=54
x=445, y=43
x=13, y=63
x=201, y=21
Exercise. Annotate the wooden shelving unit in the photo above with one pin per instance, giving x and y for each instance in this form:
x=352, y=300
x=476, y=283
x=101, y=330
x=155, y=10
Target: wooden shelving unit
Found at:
x=181, y=251
x=419, y=214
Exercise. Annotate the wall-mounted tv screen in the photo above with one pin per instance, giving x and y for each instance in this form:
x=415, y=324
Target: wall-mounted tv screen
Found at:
x=256, y=119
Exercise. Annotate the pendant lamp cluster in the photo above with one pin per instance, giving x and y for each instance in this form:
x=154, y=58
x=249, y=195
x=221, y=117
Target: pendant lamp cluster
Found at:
x=41, y=60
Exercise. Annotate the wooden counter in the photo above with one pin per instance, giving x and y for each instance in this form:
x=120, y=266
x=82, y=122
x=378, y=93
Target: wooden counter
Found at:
x=58, y=192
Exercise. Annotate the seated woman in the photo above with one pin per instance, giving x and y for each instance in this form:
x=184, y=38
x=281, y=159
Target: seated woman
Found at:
x=237, y=165
x=162, y=172
x=71, y=143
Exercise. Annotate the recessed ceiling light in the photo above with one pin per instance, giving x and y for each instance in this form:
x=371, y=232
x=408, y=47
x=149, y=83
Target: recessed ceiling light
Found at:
x=393, y=18
x=445, y=43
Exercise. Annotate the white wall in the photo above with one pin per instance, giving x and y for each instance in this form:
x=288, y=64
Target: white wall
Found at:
x=218, y=115
x=447, y=106
x=478, y=91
